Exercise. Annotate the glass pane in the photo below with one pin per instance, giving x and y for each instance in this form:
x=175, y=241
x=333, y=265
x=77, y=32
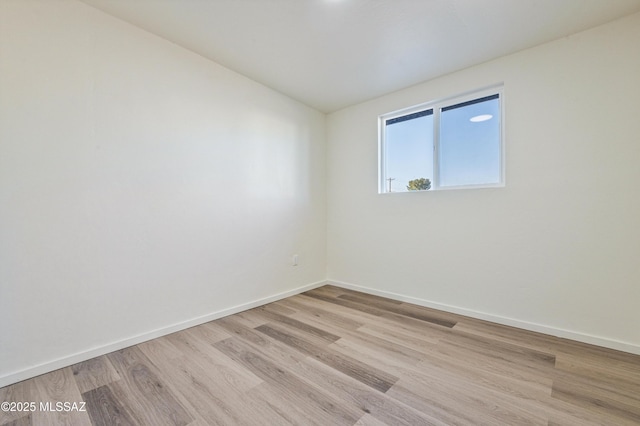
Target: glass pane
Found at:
x=469, y=150
x=409, y=152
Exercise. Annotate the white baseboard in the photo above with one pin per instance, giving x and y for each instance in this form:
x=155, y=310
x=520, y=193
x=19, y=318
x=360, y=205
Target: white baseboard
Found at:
x=140, y=338
x=553, y=331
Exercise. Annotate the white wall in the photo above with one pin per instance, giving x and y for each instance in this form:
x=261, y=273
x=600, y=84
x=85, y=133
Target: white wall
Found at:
x=558, y=249
x=142, y=187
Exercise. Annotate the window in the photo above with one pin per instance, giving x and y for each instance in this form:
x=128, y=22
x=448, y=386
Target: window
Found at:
x=455, y=143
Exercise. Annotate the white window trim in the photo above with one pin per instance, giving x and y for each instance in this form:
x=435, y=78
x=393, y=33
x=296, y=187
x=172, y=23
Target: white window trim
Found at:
x=437, y=105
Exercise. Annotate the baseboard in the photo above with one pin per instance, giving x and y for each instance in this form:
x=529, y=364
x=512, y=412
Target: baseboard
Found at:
x=66, y=361
x=553, y=331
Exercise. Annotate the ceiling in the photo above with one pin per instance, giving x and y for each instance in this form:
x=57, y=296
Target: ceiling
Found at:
x=330, y=54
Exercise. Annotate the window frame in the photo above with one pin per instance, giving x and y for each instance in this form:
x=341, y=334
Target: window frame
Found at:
x=437, y=106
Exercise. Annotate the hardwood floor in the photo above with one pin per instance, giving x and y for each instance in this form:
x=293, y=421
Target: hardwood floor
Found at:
x=337, y=357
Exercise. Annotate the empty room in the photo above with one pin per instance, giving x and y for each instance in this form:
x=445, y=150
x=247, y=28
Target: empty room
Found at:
x=319, y=212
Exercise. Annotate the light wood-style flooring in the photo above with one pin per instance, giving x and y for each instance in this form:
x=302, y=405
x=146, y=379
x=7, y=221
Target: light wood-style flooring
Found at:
x=332, y=356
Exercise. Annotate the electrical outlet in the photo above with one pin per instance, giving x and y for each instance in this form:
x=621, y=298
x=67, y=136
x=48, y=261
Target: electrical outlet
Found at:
x=294, y=260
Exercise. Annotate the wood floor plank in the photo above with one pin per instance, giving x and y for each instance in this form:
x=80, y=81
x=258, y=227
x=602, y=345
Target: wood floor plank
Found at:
x=353, y=392
x=275, y=351
x=210, y=332
x=506, y=350
x=154, y=402
x=492, y=364
x=566, y=413
x=104, y=408
x=599, y=354
x=490, y=380
x=603, y=384
x=330, y=290
x=458, y=398
x=289, y=412
x=413, y=326
x=211, y=359
x=370, y=376
x=18, y=392
x=399, y=338
x=317, y=403
x=339, y=292
x=278, y=308
x=248, y=319
x=392, y=306
x=337, y=308
x=583, y=394
x=412, y=311
x=369, y=420
x=532, y=361
x=388, y=362
x=397, y=311
x=306, y=305
x=94, y=373
x=506, y=334
x=371, y=344
x=208, y=398
x=21, y=421
x=345, y=303
x=58, y=387
x=599, y=373
x=611, y=364
x=300, y=325
x=345, y=318
x=441, y=407
x=237, y=329
x=214, y=397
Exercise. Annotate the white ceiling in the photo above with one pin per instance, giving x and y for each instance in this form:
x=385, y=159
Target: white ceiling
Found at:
x=333, y=53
